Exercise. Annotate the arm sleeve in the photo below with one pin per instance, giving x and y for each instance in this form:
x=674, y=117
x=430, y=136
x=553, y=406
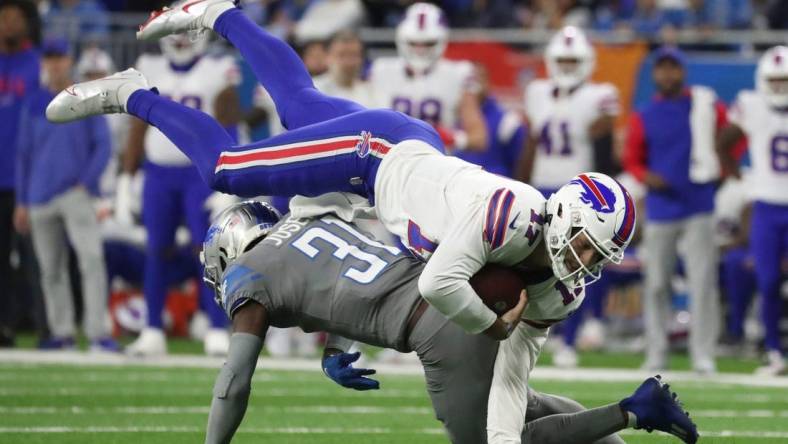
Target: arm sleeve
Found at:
x=23, y=154
x=444, y=281
x=101, y=149
x=339, y=342
x=635, y=148
x=232, y=387
x=508, y=400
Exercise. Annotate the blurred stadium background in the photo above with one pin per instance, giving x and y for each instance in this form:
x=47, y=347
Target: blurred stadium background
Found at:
x=67, y=395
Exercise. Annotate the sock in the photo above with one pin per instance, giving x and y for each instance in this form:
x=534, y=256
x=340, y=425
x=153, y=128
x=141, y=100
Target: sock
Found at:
x=125, y=91
x=586, y=426
x=212, y=12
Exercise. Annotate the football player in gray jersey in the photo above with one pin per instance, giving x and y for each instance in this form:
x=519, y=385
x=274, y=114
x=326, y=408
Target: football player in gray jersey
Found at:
x=326, y=275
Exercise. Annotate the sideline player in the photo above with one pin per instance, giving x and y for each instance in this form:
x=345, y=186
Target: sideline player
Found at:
x=566, y=113
x=172, y=190
x=394, y=161
x=422, y=84
x=326, y=275
x=761, y=116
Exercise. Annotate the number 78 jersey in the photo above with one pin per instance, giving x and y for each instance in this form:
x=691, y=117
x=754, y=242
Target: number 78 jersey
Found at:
x=767, y=133
x=563, y=126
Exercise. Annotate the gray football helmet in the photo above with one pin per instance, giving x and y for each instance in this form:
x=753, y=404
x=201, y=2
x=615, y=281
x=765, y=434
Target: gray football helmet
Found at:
x=236, y=229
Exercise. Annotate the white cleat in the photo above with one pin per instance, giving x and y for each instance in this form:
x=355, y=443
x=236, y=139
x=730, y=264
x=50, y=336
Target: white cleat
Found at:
x=216, y=342
x=776, y=365
x=151, y=342
x=101, y=96
x=183, y=16
x=565, y=357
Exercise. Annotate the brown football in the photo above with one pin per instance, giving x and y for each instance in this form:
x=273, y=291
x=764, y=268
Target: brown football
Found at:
x=498, y=286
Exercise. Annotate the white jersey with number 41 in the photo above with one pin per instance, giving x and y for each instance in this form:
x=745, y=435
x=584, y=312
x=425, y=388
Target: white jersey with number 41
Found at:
x=767, y=133
x=563, y=125
x=433, y=97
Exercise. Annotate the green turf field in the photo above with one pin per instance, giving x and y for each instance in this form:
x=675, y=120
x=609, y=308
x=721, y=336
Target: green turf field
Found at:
x=93, y=404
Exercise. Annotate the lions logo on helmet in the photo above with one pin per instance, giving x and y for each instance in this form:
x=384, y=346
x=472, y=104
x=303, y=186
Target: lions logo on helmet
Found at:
x=595, y=206
x=236, y=229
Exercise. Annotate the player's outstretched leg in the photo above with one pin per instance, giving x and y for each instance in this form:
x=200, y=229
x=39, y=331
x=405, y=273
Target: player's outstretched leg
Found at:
x=195, y=133
x=655, y=407
x=652, y=407
x=275, y=64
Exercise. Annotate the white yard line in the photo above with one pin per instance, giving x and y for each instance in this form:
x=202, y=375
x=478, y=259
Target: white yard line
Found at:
x=314, y=410
x=540, y=373
x=331, y=430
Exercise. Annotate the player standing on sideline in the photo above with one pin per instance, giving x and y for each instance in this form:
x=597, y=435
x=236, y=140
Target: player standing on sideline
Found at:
x=172, y=191
x=566, y=113
x=420, y=195
x=424, y=85
x=324, y=274
x=762, y=115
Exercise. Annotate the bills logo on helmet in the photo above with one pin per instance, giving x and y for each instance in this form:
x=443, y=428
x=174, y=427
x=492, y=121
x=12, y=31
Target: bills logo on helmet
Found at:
x=363, y=146
x=598, y=196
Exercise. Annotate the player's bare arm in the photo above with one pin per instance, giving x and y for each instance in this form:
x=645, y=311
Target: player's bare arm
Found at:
x=472, y=122
x=726, y=140
x=602, y=126
x=228, y=107
x=525, y=164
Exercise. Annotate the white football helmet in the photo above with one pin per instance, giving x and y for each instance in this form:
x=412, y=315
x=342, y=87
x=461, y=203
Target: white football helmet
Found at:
x=771, y=77
x=94, y=62
x=235, y=230
x=596, y=206
x=570, y=43
x=422, y=36
x=182, y=49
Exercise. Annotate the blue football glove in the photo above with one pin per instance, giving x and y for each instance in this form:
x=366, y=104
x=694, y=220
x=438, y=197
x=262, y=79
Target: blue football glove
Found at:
x=340, y=369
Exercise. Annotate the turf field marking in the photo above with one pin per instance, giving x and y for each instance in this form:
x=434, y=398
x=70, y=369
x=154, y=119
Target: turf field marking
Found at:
x=204, y=409
x=246, y=430
x=539, y=373
x=332, y=430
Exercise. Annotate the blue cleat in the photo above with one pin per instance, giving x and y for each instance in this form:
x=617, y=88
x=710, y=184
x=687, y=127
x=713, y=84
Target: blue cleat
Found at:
x=53, y=343
x=657, y=408
x=104, y=345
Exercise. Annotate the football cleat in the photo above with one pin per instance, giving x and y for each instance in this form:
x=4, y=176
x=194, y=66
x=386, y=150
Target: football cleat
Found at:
x=565, y=357
x=102, y=96
x=776, y=365
x=54, y=343
x=151, y=342
x=104, y=345
x=216, y=342
x=183, y=17
x=657, y=408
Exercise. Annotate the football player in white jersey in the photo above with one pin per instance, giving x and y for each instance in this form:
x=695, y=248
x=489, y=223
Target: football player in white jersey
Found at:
x=424, y=85
x=173, y=192
x=566, y=113
x=762, y=115
x=453, y=215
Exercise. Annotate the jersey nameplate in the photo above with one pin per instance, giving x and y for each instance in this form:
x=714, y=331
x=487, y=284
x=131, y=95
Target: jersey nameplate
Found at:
x=285, y=231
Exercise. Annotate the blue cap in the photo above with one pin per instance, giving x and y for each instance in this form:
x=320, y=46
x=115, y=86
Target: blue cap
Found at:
x=55, y=47
x=666, y=52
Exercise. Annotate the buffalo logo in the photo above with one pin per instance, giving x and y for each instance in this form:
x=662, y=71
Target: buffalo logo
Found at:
x=363, y=146
x=598, y=196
